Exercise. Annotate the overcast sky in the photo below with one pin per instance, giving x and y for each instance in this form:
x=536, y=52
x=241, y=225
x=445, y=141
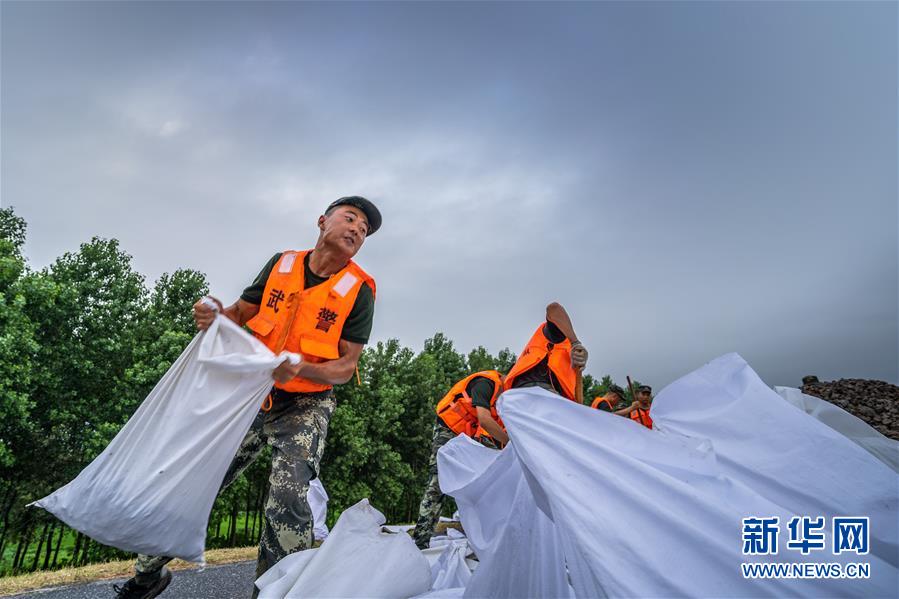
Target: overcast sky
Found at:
x=688, y=179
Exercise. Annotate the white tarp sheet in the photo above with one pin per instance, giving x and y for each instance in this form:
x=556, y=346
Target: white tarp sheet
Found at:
x=152, y=488
x=636, y=512
x=356, y=560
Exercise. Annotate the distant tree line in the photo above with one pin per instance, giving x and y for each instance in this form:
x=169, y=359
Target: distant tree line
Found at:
x=84, y=340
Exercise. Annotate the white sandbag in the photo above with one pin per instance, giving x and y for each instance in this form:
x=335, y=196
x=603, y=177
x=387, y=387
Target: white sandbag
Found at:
x=637, y=512
x=356, y=560
x=852, y=427
x=318, y=503
x=517, y=545
x=450, y=570
x=788, y=457
x=152, y=488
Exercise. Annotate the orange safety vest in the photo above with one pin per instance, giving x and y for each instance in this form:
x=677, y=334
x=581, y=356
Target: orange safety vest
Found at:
x=642, y=416
x=559, y=362
x=306, y=321
x=603, y=399
x=455, y=408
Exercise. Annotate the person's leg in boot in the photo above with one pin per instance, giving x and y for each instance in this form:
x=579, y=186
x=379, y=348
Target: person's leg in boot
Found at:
x=296, y=429
x=151, y=577
x=432, y=500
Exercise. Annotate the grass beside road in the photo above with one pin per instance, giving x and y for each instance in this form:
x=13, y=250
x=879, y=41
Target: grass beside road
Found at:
x=11, y=585
x=37, y=580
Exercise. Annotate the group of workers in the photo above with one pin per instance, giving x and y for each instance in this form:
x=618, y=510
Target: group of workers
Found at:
x=552, y=360
x=638, y=410
x=319, y=304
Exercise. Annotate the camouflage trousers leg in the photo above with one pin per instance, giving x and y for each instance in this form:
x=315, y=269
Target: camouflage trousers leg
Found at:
x=147, y=568
x=432, y=500
x=296, y=428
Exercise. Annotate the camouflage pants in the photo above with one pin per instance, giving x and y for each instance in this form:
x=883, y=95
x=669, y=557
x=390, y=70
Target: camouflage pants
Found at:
x=296, y=428
x=432, y=500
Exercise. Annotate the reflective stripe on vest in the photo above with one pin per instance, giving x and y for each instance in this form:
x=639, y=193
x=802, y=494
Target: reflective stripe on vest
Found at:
x=559, y=362
x=456, y=410
x=306, y=321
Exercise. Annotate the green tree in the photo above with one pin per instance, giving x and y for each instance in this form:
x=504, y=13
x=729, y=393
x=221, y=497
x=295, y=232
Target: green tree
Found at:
x=480, y=359
x=505, y=360
x=87, y=306
x=162, y=332
x=18, y=349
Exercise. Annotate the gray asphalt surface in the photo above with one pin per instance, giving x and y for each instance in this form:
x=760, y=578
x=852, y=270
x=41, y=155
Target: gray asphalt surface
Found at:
x=215, y=582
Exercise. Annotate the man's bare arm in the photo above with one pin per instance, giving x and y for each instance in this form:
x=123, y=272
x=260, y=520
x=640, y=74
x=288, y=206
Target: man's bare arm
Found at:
x=330, y=372
x=239, y=312
x=626, y=411
x=491, y=426
x=557, y=315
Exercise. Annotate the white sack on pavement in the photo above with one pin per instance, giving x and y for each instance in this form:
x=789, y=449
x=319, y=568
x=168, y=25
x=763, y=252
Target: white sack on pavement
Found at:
x=638, y=512
x=450, y=570
x=356, y=560
x=152, y=488
x=852, y=427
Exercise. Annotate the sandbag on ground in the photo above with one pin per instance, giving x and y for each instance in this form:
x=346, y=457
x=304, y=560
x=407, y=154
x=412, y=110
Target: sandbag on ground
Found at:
x=639, y=512
x=152, y=488
x=450, y=570
x=356, y=560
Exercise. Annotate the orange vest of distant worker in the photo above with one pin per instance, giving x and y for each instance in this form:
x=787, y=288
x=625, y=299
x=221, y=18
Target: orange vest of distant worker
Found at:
x=559, y=362
x=455, y=408
x=603, y=399
x=306, y=321
x=642, y=416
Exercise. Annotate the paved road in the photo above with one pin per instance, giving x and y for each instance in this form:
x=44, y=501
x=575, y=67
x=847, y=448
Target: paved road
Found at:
x=231, y=581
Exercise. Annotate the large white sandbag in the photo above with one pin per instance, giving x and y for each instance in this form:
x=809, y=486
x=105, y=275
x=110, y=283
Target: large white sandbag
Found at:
x=152, y=488
x=852, y=427
x=785, y=455
x=517, y=545
x=356, y=560
x=639, y=512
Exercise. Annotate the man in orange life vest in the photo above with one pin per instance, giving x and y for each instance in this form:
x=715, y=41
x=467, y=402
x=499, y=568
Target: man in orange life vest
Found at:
x=551, y=357
x=317, y=303
x=639, y=410
x=549, y=361
x=607, y=402
x=468, y=408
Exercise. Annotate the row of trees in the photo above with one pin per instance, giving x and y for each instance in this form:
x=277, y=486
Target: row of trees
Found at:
x=83, y=341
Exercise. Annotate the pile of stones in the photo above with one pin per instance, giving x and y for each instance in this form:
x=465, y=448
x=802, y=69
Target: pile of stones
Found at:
x=875, y=402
